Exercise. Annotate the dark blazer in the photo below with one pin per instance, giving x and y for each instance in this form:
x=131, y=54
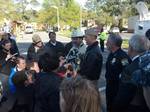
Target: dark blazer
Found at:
x=68, y=46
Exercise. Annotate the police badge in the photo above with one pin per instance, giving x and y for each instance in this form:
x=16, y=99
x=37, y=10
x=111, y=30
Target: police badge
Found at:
x=113, y=60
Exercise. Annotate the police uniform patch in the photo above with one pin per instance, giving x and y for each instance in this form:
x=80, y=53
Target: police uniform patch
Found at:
x=124, y=61
x=113, y=60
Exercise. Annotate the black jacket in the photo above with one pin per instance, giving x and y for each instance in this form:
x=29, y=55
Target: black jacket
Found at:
x=3, y=56
x=47, y=93
x=5, y=66
x=14, y=49
x=129, y=97
x=115, y=63
x=91, y=65
x=57, y=49
x=32, y=54
x=68, y=46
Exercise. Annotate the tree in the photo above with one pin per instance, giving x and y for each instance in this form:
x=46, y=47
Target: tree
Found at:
x=47, y=17
x=109, y=10
x=7, y=9
x=68, y=13
x=95, y=12
x=48, y=13
x=21, y=7
x=71, y=14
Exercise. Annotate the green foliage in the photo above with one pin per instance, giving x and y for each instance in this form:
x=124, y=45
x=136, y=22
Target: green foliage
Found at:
x=17, y=10
x=96, y=11
x=107, y=10
x=7, y=10
x=47, y=16
x=69, y=13
x=102, y=11
x=26, y=15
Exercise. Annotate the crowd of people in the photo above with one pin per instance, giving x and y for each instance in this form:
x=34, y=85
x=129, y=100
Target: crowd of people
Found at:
x=64, y=78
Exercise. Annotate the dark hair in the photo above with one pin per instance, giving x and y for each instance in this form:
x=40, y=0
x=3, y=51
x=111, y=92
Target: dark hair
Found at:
x=9, y=35
x=19, y=78
x=147, y=34
x=30, y=64
x=5, y=36
x=116, y=39
x=50, y=33
x=80, y=95
x=5, y=41
x=18, y=59
x=48, y=62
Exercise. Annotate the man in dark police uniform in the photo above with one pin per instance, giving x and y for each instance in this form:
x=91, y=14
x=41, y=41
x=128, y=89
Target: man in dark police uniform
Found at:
x=116, y=62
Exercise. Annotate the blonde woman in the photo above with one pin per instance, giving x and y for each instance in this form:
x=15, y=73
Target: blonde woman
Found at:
x=79, y=95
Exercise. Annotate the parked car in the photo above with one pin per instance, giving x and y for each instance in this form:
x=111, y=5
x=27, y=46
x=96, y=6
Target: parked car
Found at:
x=114, y=30
x=29, y=29
x=49, y=30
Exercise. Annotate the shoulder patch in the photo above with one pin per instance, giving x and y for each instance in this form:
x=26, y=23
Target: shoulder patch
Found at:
x=113, y=60
x=124, y=62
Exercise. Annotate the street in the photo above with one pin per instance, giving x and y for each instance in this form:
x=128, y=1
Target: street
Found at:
x=23, y=43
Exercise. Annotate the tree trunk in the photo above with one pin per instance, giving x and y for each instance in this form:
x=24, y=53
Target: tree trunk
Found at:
x=120, y=25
